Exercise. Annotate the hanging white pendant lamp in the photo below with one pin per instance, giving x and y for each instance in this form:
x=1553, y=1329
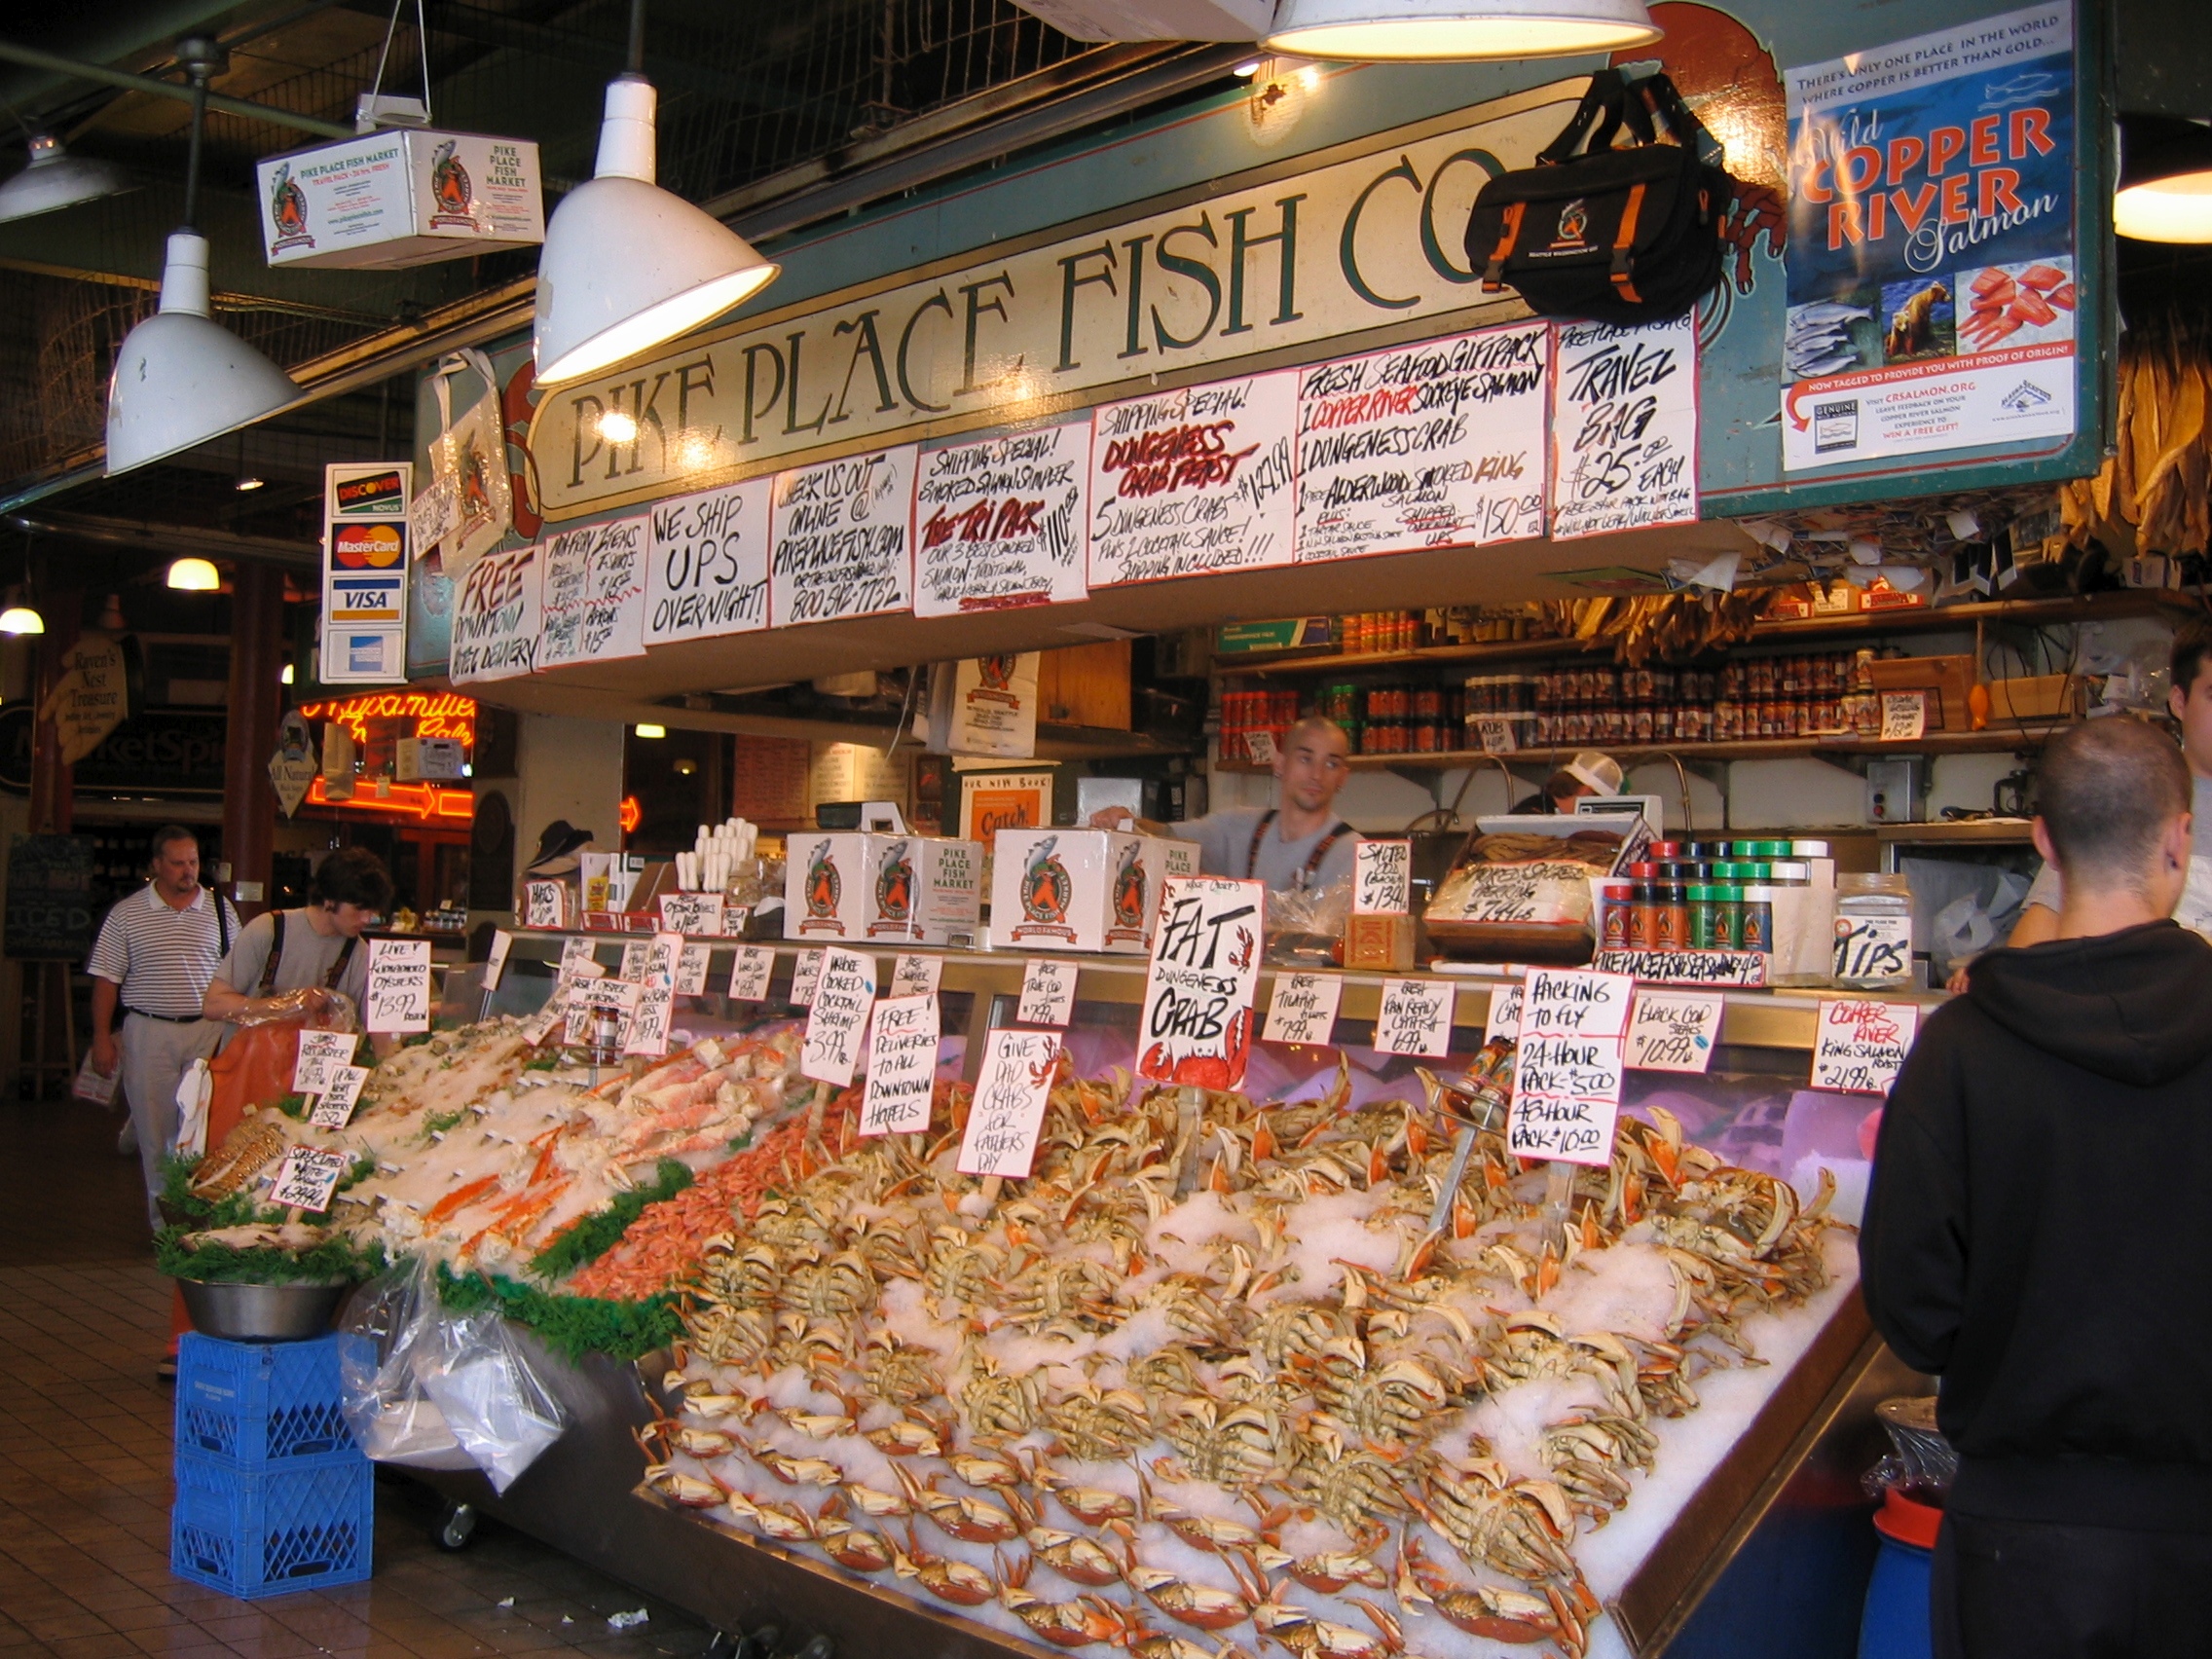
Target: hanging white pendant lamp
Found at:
x=2165, y=180
x=194, y=575
x=1451, y=29
x=57, y=179
x=20, y=619
x=627, y=264
x=182, y=378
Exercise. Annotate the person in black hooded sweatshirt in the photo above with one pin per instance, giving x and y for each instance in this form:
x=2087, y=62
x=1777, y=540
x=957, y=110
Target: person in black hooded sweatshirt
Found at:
x=2039, y=1235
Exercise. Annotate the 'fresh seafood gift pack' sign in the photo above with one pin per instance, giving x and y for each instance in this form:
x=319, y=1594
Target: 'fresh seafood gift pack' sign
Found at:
x=1931, y=262
x=1206, y=971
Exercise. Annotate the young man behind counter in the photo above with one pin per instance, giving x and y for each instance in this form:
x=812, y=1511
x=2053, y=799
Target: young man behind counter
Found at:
x=1298, y=844
x=2036, y=1237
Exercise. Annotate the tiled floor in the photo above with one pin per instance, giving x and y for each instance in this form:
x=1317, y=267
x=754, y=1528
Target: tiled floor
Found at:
x=85, y=1469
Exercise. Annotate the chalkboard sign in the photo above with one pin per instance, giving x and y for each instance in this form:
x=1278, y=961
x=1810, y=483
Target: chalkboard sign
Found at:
x=50, y=898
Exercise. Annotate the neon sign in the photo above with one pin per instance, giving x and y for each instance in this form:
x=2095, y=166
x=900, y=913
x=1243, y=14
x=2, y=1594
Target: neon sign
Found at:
x=426, y=803
x=435, y=713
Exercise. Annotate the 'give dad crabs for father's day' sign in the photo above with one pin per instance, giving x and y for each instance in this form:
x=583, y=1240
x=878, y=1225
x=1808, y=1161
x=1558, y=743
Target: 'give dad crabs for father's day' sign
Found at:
x=1206, y=971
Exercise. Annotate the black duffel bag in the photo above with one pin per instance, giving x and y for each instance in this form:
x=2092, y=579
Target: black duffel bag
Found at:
x=1622, y=235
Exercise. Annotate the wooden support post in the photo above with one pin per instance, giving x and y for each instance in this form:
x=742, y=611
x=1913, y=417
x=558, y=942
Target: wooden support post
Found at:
x=256, y=699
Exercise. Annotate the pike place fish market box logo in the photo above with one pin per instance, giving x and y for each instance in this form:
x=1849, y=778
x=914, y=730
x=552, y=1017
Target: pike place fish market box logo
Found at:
x=1131, y=911
x=1046, y=889
x=289, y=209
x=825, y=892
x=894, y=891
x=997, y=675
x=451, y=190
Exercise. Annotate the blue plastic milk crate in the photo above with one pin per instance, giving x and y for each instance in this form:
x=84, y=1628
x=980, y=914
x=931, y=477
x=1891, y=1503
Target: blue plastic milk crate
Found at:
x=261, y=1405
x=275, y=1532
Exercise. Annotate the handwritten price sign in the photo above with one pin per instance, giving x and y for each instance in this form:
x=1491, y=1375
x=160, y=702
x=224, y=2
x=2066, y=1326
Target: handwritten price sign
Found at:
x=1048, y=992
x=335, y=1110
x=321, y=1054
x=915, y=975
x=399, y=997
x=1568, y=1071
x=1304, y=1008
x=837, y=1016
x=307, y=1178
x=1382, y=878
x=1416, y=1018
x=1673, y=1031
x=750, y=973
x=1009, y=1107
x=1860, y=1046
x=692, y=914
x=1205, y=973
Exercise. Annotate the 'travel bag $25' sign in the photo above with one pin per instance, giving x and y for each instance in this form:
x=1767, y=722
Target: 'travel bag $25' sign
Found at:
x=1205, y=970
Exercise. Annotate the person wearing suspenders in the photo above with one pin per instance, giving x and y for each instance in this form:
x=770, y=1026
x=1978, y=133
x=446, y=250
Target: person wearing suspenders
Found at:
x=315, y=947
x=1298, y=844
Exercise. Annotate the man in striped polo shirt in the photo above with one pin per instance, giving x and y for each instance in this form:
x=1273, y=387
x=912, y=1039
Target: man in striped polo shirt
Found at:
x=157, y=951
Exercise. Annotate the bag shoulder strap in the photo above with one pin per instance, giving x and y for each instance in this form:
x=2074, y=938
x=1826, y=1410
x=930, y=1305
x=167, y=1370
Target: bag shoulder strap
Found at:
x=1602, y=97
x=1656, y=95
x=1259, y=834
x=222, y=923
x=276, y=953
x=338, y=963
x=1337, y=833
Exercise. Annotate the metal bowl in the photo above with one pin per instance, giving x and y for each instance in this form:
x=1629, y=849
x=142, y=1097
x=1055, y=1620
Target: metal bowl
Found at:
x=263, y=1312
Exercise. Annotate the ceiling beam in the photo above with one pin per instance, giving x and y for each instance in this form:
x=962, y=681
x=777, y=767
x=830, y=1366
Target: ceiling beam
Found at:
x=170, y=540
x=34, y=58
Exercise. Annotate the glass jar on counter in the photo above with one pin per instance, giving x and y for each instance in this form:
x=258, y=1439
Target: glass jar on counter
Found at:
x=1873, y=932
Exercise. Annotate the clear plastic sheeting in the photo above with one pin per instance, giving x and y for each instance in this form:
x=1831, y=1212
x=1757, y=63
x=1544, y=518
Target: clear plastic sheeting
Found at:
x=1921, y=1463
x=437, y=1390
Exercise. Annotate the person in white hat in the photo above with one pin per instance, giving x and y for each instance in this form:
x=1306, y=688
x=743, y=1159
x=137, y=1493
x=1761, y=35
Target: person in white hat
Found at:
x=1589, y=773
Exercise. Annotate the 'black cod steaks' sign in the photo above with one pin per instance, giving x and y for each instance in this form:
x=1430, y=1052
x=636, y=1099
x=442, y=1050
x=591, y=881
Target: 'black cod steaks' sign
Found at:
x=1289, y=261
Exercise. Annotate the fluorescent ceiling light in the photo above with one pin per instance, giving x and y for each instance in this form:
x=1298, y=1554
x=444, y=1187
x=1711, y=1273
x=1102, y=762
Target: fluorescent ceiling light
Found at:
x=1446, y=29
x=57, y=179
x=2165, y=180
x=194, y=575
x=627, y=264
x=650, y=730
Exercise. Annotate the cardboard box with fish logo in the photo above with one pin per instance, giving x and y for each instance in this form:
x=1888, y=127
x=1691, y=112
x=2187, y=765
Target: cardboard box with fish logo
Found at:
x=859, y=887
x=1094, y=890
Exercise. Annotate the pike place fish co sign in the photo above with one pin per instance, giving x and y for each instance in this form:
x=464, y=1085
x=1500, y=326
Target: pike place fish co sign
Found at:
x=1280, y=266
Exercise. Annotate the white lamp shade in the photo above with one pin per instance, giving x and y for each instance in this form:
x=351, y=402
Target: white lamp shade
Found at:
x=2165, y=180
x=182, y=378
x=626, y=264
x=1442, y=29
x=55, y=180
x=194, y=575
x=21, y=620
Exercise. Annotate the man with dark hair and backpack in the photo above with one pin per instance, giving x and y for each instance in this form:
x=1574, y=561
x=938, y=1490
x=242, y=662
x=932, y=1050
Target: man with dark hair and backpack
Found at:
x=157, y=952
x=2036, y=1238
x=315, y=948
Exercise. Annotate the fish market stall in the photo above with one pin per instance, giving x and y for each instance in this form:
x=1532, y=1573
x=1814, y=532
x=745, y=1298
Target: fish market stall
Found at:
x=1313, y=1362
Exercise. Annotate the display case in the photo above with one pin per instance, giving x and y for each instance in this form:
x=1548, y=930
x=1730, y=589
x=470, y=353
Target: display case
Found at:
x=1751, y=1490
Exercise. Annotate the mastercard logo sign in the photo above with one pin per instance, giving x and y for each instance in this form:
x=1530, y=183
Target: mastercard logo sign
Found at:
x=368, y=546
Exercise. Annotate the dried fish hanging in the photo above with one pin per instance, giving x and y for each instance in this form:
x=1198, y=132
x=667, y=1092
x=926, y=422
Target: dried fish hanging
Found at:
x=2150, y=496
